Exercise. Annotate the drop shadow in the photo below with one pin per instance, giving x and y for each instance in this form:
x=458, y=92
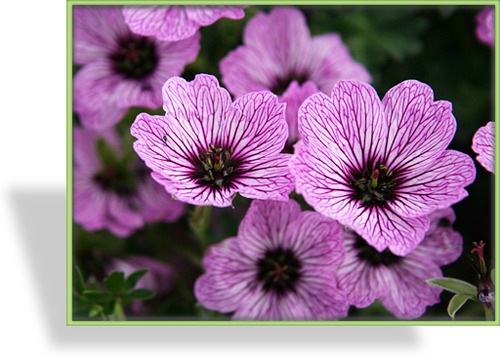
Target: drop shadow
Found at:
x=41, y=216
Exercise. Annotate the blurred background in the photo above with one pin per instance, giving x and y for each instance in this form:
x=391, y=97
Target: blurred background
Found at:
x=436, y=45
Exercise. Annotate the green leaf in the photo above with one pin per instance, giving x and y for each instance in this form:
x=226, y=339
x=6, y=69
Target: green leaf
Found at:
x=96, y=310
x=78, y=281
x=456, y=302
x=134, y=278
x=140, y=294
x=454, y=285
x=115, y=282
x=98, y=297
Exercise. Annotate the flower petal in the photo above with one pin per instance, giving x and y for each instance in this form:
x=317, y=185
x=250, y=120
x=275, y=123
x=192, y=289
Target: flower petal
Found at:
x=228, y=279
x=483, y=144
x=264, y=226
x=419, y=128
x=438, y=187
x=350, y=125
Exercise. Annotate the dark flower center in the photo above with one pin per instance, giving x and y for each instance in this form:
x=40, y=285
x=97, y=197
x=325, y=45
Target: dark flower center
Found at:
x=369, y=254
x=136, y=57
x=117, y=179
x=444, y=222
x=374, y=187
x=281, y=84
x=216, y=168
x=279, y=271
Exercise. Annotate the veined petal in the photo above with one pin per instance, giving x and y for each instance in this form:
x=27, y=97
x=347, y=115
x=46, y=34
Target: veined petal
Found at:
x=351, y=124
x=438, y=187
x=228, y=278
x=261, y=130
x=264, y=226
x=483, y=144
x=92, y=37
x=207, y=15
x=419, y=128
x=326, y=69
x=267, y=179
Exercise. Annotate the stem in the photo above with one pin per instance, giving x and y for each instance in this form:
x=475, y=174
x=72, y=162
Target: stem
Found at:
x=488, y=314
x=119, y=314
x=200, y=223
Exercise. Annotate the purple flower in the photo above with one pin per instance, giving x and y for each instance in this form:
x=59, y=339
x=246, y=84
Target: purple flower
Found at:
x=280, y=267
x=485, y=30
x=159, y=277
x=174, y=23
x=206, y=148
x=380, y=167
x=280, y=55
x=483, y=144
x=114, y=191
x=399, y=282
x=120, y=69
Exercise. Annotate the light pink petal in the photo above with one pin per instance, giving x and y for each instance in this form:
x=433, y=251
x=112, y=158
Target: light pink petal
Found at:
x=266, y=179
x=94, y=96
x=294, y=96
x=408, y=295
x=441, y=244
x=350, y=125
x=483, y=144
x=438, y=187
x=94, y=38
x=276, y=45
x=485, y=30
x=261, y=130
x=331, y=61
x=207, y=15
x=228, y=279
x=383, y=228
x=362, y=282
x=419, y=128
x=124, y=212
x=264, y=226
x=316, y=240
x=89, y=203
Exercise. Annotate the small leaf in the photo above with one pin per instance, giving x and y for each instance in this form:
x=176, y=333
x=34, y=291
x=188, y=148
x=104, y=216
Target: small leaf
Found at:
x=98, y=297
x=108, y=308
x=115, y=282
x=456, y=302
x=140, y=294
x=78, y=281
x=96, y=310
x=134, y=278
x=454, y=285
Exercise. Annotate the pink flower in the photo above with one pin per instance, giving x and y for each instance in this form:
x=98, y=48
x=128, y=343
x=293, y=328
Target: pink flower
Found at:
x=483, y=144
x=399, y=282
x=113, y=191
x=280, y=267
x=280, y=55
x=380, y=167
x=120, y=69
x=207, y=148
x=485, y=30
x=174, y=23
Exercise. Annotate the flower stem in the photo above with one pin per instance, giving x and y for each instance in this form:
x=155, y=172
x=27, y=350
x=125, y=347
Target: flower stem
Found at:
x=488, y=313
x=200, y=223
x=119, y=314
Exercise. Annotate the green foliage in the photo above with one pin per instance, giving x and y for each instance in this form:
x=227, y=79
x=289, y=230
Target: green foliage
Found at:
x=94, y=301
x=455, y=286
x=456, y=302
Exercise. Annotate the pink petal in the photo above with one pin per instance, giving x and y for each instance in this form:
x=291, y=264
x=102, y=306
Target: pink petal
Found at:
x=483, y=144
x=419, y=129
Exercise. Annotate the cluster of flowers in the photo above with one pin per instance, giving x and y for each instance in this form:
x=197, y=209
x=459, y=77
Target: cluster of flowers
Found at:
x=376, y=172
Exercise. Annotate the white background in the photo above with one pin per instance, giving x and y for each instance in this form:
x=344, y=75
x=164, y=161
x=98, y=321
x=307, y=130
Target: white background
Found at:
x=32, y=221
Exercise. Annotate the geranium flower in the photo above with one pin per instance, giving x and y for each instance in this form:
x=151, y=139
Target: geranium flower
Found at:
x=380, y=167
x=280, y=267
x=206, y=148
x=485, y=29
x=280, y=55
x=174, y=23
x=114, y=191
x=483, y=144
x=120, y=69
x=399, y=282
